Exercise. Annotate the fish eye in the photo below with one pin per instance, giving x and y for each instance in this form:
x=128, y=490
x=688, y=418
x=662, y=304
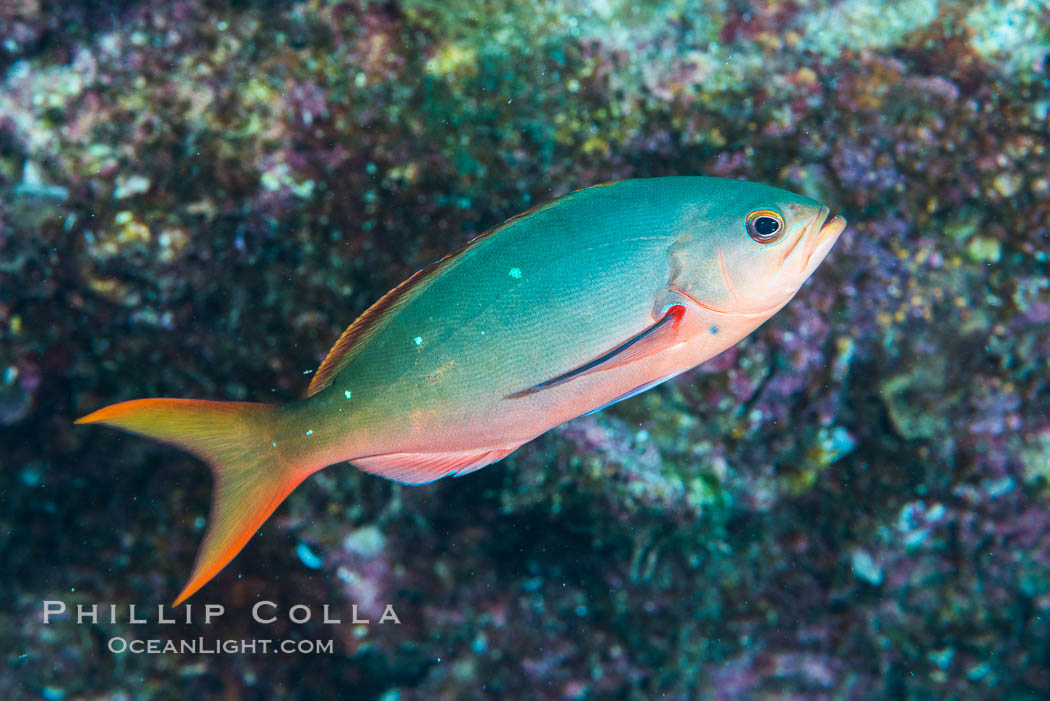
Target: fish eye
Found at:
x=765, y=226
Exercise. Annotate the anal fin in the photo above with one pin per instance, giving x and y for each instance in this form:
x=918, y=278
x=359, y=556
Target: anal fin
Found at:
x=420, y=468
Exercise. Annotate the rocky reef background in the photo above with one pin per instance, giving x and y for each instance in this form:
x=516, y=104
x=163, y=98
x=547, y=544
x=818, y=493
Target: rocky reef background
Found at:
x=196, y=197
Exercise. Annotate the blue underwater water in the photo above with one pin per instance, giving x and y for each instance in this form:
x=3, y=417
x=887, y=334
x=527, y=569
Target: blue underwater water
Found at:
x=197, y=196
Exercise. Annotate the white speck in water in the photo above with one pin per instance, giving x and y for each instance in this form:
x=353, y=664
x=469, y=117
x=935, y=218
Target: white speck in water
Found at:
x=418, y=340
x=308, y=556
x=515, y=273
x=347, y=393
x=865, y=567
x=310, y=432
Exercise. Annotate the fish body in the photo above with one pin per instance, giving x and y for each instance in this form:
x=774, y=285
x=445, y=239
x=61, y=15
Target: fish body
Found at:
x=562, y=310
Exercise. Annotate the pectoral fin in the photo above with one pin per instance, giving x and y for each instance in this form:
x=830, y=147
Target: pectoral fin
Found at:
x=657, y=337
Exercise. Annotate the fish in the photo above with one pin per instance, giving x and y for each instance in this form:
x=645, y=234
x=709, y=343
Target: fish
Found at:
x=562, y=310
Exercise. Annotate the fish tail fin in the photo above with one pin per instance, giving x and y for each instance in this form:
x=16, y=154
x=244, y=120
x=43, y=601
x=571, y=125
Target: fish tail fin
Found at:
x=250, y=479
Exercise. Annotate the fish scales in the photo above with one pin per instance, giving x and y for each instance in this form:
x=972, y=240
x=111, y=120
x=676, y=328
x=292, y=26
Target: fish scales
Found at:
x=577, y=304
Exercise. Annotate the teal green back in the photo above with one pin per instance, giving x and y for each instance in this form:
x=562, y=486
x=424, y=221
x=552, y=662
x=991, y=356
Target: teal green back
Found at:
x=537, y=297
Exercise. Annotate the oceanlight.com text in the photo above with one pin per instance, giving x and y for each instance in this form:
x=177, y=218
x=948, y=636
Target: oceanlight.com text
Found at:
x=219, y=646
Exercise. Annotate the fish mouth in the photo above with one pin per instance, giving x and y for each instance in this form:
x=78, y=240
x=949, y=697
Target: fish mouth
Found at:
x=823, y=232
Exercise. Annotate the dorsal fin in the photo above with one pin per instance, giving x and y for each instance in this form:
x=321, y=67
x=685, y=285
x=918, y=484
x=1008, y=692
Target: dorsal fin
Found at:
x=339, y=355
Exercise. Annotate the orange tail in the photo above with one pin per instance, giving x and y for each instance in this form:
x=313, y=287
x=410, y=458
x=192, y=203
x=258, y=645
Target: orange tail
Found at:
x=234, y=438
